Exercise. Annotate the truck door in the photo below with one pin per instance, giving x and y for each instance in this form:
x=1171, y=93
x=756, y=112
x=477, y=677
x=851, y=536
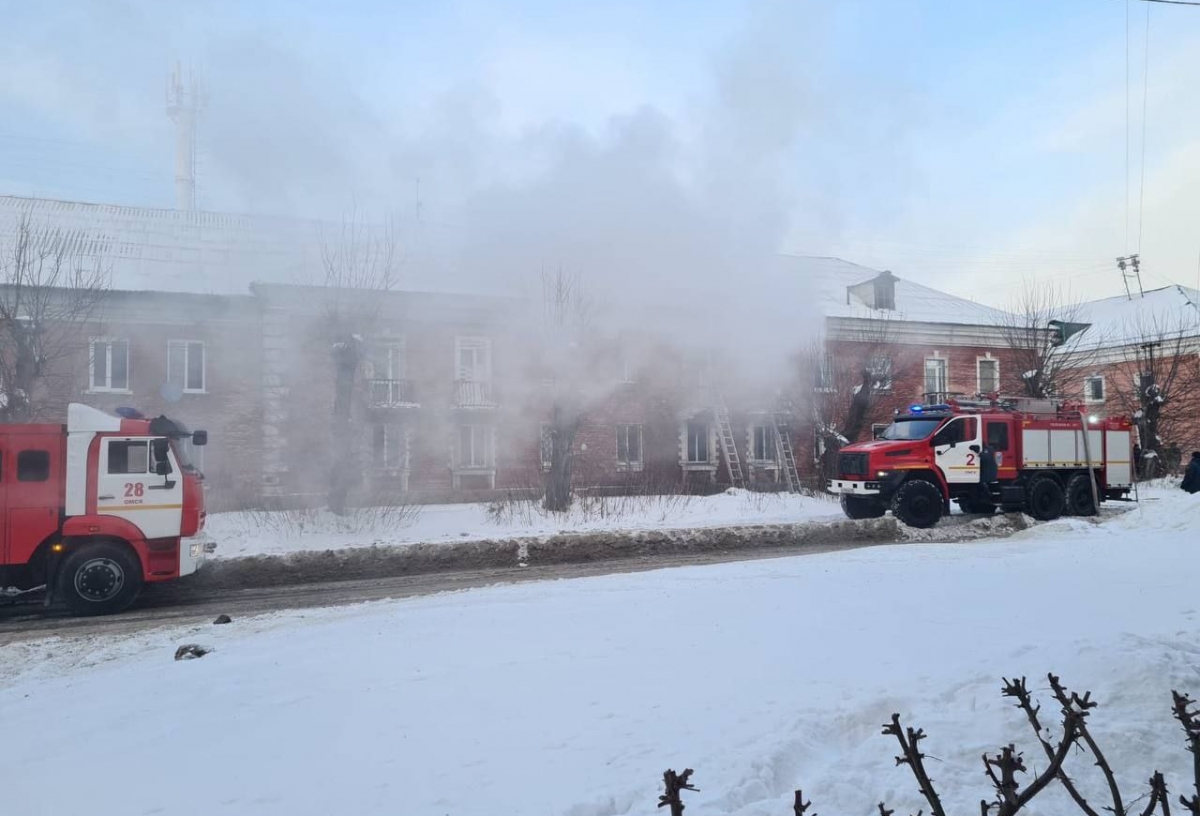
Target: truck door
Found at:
x=952, y=446
x=31, y=472
x=128, y=487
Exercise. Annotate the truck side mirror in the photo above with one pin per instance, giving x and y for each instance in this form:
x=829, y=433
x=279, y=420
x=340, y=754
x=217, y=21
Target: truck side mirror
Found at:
x=975, y=449
x=162, y=465
x=200, y=438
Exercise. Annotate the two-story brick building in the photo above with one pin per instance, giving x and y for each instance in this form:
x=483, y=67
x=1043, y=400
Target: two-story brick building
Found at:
x=451, y=398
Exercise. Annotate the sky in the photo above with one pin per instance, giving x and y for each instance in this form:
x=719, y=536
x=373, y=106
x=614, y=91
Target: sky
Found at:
x=972, y=146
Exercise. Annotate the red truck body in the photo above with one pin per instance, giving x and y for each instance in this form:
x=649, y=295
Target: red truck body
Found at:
x=1034, y=456
x=95, y=508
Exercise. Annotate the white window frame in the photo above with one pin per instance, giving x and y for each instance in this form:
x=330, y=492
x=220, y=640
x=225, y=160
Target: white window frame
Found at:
x=823, y=381
x=394, y=351
x=187, y=354
x=945, y=376
x=627, y=463
x=769, y=440
x=488, y=443
x=885, y=386
x=1087, y=390
x=480, y=345
x=687, y=443
x=979, y=361
x=545, y=445
x=107, y=388
x=390, y=431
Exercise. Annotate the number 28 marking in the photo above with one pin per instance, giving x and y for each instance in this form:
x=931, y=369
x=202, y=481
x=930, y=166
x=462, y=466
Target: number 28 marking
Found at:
x=134, y=489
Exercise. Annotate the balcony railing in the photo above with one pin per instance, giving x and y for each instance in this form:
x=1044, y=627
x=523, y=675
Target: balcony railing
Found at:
x=393, y=394
x=474, y=394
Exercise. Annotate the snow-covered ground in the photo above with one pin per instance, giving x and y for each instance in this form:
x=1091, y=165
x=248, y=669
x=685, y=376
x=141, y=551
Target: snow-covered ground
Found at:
x=278, y=533
x=572, y=697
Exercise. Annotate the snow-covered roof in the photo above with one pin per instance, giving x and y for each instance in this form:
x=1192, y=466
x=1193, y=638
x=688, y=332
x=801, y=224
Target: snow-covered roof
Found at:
x=174, y=250
x=830, y=279
x=1121, y=321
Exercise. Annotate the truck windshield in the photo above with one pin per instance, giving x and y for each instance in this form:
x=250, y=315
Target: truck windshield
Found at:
x=910, y=429
x=183, y=453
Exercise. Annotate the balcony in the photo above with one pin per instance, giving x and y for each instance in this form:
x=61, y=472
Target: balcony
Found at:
x=392, y=394
x=471, y=395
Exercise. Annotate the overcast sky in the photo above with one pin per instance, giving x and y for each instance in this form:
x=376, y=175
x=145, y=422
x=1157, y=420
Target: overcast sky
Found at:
x=965, y=144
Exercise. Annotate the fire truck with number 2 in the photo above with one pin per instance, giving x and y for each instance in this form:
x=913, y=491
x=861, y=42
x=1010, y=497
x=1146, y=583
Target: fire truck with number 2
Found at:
x=96, y=508
x=1041, y=457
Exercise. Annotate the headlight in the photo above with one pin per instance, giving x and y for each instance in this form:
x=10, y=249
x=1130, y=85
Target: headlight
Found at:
x=879, y=474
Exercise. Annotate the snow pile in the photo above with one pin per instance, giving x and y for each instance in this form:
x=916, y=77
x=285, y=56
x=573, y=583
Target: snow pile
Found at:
x=281, y=533
x=572, y=697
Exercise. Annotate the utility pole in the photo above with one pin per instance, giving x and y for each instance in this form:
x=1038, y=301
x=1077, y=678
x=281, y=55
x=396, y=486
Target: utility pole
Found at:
x=1130, y=267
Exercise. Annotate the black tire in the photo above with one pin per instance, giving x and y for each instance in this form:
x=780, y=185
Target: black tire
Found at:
x=918, y=503
x=862, y=507
x=1079, y=496
x=99, y=578
x=976, y=506
x=1044, y=499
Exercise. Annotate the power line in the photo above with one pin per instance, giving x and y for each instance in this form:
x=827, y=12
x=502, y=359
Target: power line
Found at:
x=1173, y=2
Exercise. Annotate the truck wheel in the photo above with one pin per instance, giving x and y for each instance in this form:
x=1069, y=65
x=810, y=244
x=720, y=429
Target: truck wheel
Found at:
x=100, y=578
x=862, y=507
x=1079, y=496
x=918, y=503
x=1045, y=499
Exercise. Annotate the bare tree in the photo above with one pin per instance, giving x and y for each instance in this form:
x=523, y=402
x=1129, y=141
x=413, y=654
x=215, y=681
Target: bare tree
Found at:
x=841, y=381
x=1156, y=381
x=359, y=263
x=565, y=326
x=1048, y=342
x=51, y=284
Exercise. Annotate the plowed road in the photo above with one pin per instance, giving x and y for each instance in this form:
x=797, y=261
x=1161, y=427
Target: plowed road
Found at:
x=176, y=604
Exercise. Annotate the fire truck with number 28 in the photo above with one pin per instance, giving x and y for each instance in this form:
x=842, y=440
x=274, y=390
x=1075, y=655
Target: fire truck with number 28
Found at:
x=1041, y=457
x=98, y=507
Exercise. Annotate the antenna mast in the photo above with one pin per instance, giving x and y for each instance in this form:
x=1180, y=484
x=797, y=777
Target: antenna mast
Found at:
x=184, y=103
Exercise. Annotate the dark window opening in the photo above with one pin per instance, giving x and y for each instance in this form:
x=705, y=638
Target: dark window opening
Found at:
x=997, y=436
x=128, y=457
x=33, y=466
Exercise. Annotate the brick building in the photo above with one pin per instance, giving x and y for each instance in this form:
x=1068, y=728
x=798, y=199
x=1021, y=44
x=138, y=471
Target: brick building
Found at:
x=451, y=399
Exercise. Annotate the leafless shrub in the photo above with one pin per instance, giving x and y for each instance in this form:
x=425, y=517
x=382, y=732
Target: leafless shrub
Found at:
x=1006, y=768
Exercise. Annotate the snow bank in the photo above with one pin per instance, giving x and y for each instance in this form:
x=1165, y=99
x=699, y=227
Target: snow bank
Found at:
x=572, y=697
x=281, y=533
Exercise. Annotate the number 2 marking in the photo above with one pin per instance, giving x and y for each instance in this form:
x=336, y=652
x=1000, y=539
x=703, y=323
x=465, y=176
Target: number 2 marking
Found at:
x=133, y=489
x=970, y=460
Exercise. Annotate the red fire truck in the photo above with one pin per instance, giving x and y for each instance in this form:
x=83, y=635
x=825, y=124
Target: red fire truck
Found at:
x=1040, y=457
x=97, y=507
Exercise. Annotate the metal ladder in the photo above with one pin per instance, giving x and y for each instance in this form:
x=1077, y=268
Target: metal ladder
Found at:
x=787, y=454
x=733, y=464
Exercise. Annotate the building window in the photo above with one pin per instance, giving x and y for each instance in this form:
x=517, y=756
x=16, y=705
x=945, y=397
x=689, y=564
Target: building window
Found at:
x=185, y=365
x=629, y=445
x=628, y=370
x=546, y=444
x=762, y=443
x=988, y=375
x=1093, y=389
x=475, y=444
x=390, y=447
x=388, y=361
x=823, y=376
x=697, y=442
x=473, y=359
x=935, y=376
x=108, y=363
x=881, y=372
